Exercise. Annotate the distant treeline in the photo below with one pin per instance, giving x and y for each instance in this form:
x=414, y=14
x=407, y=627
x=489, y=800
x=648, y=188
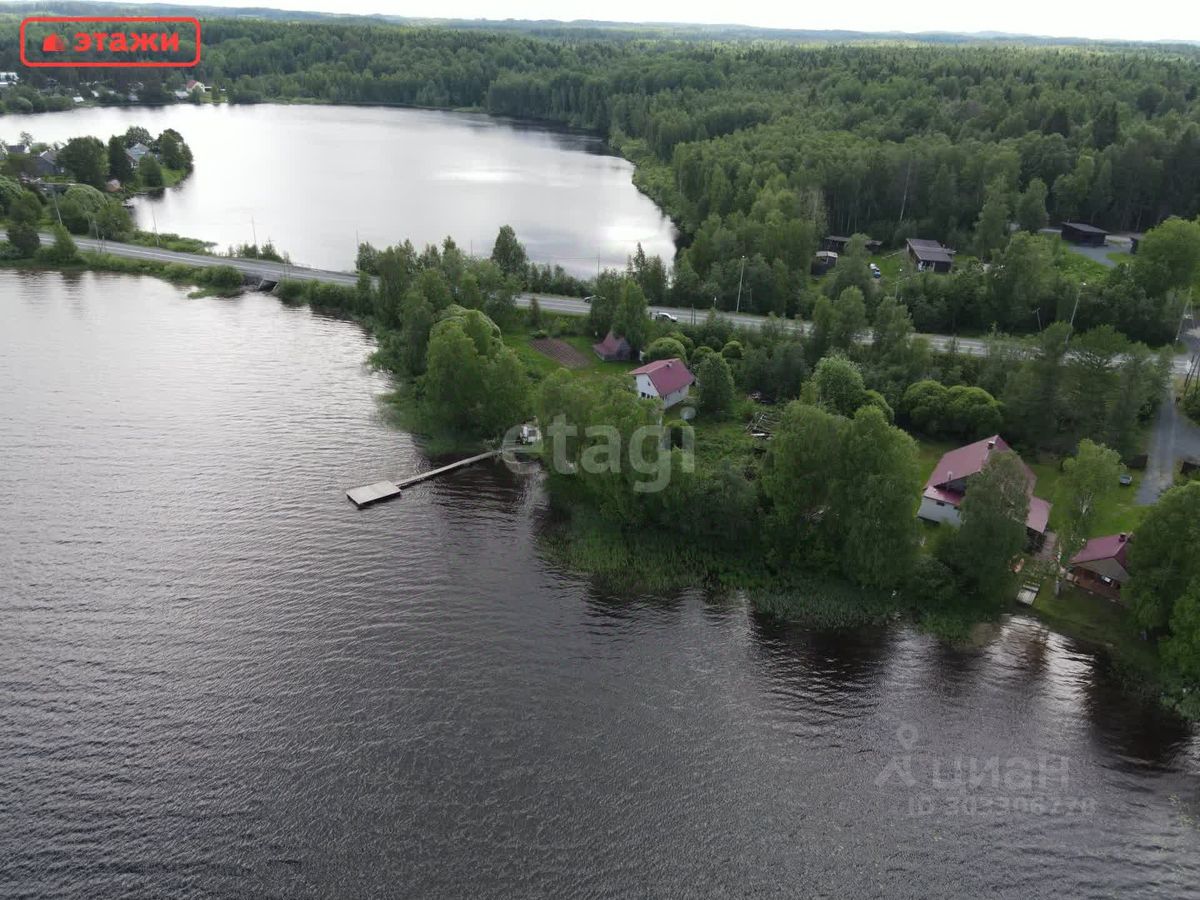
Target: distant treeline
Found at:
x=758, y=149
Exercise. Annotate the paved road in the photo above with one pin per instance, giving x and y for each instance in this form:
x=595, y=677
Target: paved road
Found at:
x=1173, y=436
x=548, y=302
x=249, y=266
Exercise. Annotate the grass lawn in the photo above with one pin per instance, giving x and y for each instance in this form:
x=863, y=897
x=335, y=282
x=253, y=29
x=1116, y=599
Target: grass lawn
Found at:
x=724, y=439
x=1078, y=268
x=930, y=451
x=539, y=365
x=1095, y=619
x=1119, y=512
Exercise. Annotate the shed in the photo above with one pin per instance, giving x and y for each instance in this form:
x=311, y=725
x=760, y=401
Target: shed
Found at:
x=1102, y=565
x=613, y=349
x=930, y=256
x=823, y=261
x=1082, y=233
x=837, y=243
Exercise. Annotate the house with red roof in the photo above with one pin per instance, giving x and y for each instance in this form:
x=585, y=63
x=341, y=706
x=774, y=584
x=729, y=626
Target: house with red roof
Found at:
x=667, y=380
x=946, y=487
x=613, y=349
x=1102, y=565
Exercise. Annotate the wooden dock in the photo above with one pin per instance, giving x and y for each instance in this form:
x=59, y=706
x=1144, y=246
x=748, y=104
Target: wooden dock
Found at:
x=385, y=490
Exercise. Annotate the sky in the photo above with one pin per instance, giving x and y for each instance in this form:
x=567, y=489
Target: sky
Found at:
x=1105, y=19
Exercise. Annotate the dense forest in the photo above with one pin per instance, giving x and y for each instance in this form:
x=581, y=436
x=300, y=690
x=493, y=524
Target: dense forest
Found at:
x=757, y=149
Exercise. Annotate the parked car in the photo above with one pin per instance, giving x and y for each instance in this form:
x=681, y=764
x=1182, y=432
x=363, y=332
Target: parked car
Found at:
x=1126, y=479
x=665, y=317
x=875, y=271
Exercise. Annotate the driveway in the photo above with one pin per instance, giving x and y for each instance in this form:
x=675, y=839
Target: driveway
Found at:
x=1173, y=436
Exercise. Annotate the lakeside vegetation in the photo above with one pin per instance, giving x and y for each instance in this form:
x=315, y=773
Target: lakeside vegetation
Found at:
x=757, y=151
x=818, y=524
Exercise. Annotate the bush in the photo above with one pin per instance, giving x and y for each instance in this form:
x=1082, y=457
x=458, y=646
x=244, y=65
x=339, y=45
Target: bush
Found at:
x=24, y=239
x=290, y=291
x=1191, y=404
x=226, y=277
x=63, y=251
x=666, y=348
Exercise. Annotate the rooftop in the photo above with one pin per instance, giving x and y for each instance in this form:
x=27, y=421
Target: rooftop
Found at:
x=1112, y=546
x=930, y=251
x=1083, y=226
x=960, y=464
x=667, y=375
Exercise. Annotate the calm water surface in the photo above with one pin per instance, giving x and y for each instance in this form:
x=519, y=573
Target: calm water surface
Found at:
x=311, y=178
x=218, y=679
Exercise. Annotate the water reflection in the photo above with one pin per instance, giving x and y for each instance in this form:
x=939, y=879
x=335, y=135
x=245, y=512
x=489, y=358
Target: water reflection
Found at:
x=316, y=179
x=203, y=639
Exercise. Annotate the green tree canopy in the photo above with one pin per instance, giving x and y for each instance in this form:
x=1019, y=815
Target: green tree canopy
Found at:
x=509, y=254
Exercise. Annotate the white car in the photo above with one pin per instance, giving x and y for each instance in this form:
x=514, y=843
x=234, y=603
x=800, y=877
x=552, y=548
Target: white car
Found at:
x=665, y=317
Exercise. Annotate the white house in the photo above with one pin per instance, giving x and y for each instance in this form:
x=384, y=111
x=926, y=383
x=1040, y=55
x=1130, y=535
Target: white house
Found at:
x=8, y=79
x=667, y=380
x=946, y=487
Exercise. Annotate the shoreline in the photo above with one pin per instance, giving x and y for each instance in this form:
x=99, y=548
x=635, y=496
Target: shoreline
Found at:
x=600, y=548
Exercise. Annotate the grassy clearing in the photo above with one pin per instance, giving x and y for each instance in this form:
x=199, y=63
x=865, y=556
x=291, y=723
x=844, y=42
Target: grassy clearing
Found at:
x=929, y=452
x=538, y=365
x=1117, y=513
x=1078, y=268
x=1093, y=619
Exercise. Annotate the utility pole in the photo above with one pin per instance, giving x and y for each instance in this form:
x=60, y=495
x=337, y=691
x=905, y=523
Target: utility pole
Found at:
x=740, y=274
x=254, y=235
x=1078, y=290
x=1183, y=316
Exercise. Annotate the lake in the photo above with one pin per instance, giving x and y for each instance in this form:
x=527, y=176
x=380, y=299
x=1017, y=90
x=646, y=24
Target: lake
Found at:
x=314, y=179
x=219, y=679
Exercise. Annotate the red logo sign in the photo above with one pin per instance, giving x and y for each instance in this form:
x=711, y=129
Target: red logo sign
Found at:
x=110, y=41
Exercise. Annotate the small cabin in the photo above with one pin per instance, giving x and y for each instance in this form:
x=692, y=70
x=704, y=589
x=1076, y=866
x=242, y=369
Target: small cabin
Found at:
x=613, y=349
x=930, y=256
x=837, y=243
x=1082, y=233
x=823, y=261
x=1102, y=565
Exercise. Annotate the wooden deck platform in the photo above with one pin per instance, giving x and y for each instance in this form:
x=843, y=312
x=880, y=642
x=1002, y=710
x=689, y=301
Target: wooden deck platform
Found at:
x=373, y=493
x=386, y=490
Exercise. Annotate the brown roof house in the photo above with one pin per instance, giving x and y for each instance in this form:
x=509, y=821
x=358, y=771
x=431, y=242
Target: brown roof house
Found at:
x=946, y=487
x=930, y=256
x=1102, y=565
x=613, y=349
